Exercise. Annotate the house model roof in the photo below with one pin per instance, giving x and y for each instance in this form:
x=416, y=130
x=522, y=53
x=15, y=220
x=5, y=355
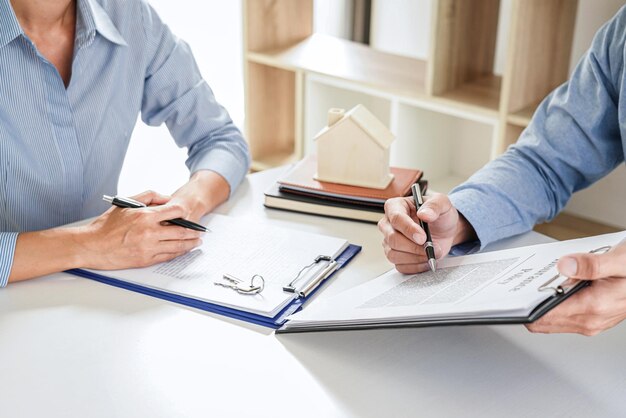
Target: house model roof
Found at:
x=370, y=124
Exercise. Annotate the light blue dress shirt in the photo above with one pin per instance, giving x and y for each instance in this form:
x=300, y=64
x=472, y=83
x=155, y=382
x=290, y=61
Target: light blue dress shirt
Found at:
x=62, y=149
x=577, y=136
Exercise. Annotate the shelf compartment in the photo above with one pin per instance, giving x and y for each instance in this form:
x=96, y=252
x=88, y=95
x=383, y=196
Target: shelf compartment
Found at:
x=447, y=148
x=271, y=133
x=522, y=117
x=351, y=61
x=509, y=136
x=568, y=226
x=538, y=57
x=482, y=94
x=462, y=53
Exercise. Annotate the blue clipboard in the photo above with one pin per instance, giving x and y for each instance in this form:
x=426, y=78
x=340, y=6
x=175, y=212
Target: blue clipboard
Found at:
x=270, y=322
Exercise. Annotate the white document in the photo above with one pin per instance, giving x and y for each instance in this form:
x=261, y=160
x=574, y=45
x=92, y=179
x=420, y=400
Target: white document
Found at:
x=502, y=284
x=242, y=249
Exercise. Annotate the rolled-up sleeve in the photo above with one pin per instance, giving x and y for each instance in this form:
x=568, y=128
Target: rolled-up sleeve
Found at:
x=7, y=251
x=572, y=141
x=176, y=94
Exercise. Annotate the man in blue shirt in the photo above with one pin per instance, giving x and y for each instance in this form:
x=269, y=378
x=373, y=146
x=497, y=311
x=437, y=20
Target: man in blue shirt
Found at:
x=74, y=76
x=577, y=136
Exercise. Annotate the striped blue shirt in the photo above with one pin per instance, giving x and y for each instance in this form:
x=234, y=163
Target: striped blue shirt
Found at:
x=62, y=149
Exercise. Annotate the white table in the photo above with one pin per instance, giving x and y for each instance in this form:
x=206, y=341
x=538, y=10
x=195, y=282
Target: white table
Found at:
x=70, y=347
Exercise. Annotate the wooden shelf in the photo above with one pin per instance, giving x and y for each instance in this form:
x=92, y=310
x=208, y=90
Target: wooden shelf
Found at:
x=290, y=70
x=510, y=135
x=538, y=58
x=522, y=118
x=567, y=226
x=481, y=95
x=351, y=61
x=399, y=76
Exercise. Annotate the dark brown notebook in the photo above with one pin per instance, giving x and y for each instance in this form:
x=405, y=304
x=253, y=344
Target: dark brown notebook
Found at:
x=300, y=180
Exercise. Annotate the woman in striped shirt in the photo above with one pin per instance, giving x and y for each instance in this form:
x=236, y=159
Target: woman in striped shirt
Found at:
x=74, y=76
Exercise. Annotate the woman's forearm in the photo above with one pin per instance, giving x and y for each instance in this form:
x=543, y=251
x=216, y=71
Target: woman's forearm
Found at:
x=117, y=239
x=202, y=193
x=44, y=252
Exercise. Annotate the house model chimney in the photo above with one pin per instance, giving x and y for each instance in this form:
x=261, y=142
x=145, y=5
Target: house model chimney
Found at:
x=335, y=115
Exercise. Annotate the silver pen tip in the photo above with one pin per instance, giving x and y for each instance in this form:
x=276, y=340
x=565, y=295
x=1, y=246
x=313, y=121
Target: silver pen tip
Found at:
x=432, y=264
x=108, y=198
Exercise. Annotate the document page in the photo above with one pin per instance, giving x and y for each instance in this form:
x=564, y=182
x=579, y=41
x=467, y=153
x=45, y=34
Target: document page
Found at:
x=497, y=284
x=242, y=249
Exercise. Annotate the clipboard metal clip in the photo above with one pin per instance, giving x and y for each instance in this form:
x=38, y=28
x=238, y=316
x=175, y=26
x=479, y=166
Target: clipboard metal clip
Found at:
x=562, y=288
x=322, y=267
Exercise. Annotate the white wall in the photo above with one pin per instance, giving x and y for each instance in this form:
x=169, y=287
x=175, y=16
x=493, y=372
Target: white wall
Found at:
x=333, y=17
x=403, y=27
x=213, y=30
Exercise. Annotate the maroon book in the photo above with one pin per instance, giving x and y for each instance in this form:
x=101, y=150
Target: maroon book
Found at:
x=300, y=180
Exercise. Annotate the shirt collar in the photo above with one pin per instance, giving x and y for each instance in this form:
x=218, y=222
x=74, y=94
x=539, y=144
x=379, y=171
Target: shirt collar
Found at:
x=91, y=17
x=9, y=26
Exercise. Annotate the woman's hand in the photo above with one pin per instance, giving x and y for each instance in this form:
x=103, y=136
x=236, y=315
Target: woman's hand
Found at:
x=595, y=308
x=125, y=238
x=119, y=238
x=201, y=194
x=404, y=239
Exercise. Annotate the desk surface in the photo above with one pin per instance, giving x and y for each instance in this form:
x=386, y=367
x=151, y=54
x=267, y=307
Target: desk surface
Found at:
x=70, y=347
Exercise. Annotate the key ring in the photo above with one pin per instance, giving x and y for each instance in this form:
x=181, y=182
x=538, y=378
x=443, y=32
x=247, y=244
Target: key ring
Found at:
x=256, y=289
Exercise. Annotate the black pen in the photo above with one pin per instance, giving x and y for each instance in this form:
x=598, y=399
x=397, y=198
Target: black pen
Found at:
x=125, y=202
x=428, y=245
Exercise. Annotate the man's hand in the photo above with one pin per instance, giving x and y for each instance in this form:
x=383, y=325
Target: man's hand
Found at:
x=597, y=307
x=404, y=238
x=125, y=238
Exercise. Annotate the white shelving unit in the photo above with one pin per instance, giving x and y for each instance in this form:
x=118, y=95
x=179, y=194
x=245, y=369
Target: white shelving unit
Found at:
x=447, y=143
x=454, y=92
x=450, y=100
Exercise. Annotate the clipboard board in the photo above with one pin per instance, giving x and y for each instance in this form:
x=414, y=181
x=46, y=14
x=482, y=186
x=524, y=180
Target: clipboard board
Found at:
x=555, y=288
x=543, y=308
x=274, y=322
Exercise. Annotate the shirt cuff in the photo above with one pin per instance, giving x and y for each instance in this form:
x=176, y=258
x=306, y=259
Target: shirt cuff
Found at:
x=485, y=213
x=8, y=241
x=224, y=163
x=465, y=248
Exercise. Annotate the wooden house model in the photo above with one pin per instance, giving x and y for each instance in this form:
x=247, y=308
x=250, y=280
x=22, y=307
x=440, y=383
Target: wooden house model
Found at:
x=354, y=149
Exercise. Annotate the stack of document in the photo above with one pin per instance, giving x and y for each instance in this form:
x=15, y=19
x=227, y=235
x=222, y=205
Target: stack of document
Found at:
x=511, y=286
x=298, y=191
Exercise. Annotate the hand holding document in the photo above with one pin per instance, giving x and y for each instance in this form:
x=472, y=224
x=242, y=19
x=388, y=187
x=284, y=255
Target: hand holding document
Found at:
x=510, y=286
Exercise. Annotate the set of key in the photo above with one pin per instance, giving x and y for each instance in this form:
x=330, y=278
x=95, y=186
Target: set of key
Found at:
x=252, y=287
